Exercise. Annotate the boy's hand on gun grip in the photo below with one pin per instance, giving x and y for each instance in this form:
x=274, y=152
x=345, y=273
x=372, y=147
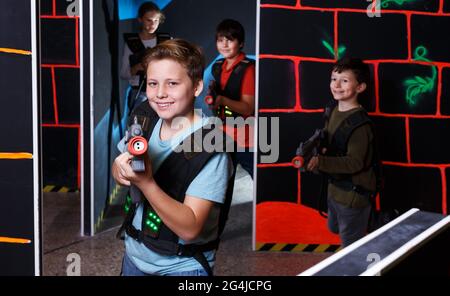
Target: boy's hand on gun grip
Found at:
x=140, y=178
x=124, y=174
x=120, y=167
x=306, y=154
x=211, y=99
x=217, y=102
x=313, y=164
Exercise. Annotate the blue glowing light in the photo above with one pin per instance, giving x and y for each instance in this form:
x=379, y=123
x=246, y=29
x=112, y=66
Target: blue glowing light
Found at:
x=128, y=8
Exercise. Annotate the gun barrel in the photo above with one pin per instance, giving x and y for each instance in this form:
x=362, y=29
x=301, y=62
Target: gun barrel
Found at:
x=307, y=150
x=137, y=146
x=298, y=162
x=209, y=99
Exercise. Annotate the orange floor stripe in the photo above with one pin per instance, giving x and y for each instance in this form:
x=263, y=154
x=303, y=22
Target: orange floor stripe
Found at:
x=20, y=155
x=13, y=240
x=16, y=51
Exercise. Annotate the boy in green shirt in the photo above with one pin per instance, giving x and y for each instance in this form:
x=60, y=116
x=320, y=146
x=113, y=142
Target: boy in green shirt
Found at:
x=347, y=160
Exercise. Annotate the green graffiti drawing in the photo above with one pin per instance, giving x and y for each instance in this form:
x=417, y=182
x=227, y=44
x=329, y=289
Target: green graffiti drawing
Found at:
x=386, y=3
x=330, y=48
x=418, y=85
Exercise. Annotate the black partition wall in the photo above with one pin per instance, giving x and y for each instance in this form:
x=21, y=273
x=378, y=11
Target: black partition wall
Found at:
x=19, y=145
x=60, y=67
x=409, y=101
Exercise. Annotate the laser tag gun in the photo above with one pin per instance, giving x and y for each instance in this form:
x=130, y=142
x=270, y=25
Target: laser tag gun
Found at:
x=308, y=149
x=211, y=96
x=137, y=145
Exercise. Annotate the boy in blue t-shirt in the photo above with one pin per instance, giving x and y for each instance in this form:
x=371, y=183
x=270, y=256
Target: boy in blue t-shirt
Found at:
x=174, y=79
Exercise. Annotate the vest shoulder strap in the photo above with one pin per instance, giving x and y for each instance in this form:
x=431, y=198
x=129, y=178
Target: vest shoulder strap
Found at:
x=346, y=128
x=328, y=110
x=243, y=64
x=134, y=42
x=216, y=69
x=161, y=37
x=146, y=116
x=247, y=62
x=191, y=153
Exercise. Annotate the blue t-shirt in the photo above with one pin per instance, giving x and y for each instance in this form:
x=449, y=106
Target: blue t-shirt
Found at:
x=210, y=184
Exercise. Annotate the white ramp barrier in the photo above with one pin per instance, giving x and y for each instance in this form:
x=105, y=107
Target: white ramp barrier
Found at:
x=384, y=251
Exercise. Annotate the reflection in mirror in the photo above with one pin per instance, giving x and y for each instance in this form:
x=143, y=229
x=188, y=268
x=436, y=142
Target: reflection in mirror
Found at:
x=118, y=29
x=120, y=35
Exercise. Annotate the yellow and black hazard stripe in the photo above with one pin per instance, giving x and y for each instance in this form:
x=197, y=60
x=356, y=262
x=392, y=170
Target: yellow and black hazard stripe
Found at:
x=55, y=188
x=115, y=207
x=312, y=248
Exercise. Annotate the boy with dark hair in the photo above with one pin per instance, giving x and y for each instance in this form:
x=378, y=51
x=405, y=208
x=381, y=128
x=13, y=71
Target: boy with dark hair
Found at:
x=174, y=229
x=348, y=158
x=234, y=87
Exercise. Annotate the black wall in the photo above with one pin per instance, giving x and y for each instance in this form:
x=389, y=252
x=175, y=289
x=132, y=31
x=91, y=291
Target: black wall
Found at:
x=17, y=179
x=60, y=94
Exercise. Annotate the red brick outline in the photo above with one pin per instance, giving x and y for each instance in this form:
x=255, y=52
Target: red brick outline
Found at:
x=52, y=67
x=298, y=108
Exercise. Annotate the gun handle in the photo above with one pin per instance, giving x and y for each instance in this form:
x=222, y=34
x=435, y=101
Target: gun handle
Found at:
x=138, y=164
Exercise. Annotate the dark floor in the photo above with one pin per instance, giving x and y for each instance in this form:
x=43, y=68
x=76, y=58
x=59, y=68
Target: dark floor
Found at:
x=102, y=254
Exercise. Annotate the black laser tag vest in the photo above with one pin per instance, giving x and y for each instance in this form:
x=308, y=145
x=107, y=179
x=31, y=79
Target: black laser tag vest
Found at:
x=174, y=177
x=232, y=89
x=338, y=147
x=138, y=49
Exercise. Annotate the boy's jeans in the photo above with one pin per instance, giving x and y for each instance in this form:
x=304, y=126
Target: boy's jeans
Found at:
x=129, y=269
x=349, y=223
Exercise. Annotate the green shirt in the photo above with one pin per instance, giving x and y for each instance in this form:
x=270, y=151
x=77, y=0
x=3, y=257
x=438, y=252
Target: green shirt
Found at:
x=355, y=162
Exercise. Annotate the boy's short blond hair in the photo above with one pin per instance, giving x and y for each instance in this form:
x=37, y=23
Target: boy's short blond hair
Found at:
x=190, y=56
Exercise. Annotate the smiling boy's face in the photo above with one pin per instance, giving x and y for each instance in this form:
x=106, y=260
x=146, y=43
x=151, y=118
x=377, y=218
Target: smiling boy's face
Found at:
x=170, y=90
x=229, y=49
x=344, y=86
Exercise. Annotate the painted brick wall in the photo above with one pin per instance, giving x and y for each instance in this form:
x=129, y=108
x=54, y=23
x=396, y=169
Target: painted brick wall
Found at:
x=409, y=102
x=60, y=70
